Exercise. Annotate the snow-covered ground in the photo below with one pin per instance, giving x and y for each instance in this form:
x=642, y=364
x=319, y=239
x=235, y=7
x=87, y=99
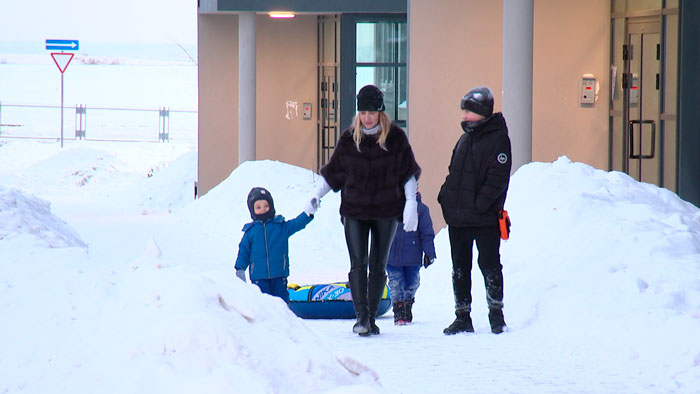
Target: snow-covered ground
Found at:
x=113, y=279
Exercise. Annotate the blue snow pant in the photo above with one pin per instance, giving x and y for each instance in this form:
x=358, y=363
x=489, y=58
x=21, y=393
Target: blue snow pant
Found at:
x=275, y=287
x=403, y=282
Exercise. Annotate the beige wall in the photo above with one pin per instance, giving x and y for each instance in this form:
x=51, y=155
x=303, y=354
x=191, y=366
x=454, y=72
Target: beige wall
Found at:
x=217, y=42
x=457, y=44
x=286, y=72
x=571, y=38
x=454, y=45
x=286, y=63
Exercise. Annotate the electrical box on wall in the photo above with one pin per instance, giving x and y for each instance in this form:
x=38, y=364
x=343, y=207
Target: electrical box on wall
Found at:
x=588, y=89
x=306, y=111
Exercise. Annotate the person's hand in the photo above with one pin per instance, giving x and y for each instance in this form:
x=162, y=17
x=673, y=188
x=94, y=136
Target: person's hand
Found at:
x=311, y=206
x=241, y=274
x=427, y=260
x=410, y=215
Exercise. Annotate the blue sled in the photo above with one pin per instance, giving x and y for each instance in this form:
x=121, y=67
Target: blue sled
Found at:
x=328, y=301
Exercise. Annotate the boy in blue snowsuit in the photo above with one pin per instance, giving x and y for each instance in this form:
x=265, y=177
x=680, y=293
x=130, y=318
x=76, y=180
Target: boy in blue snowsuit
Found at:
x=408, y=251
x=264, y=248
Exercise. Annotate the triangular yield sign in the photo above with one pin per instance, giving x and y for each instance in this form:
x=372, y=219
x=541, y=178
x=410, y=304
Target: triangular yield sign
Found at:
x=62, y=60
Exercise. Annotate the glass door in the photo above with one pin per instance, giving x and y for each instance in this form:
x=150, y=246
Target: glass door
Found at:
x=643, y=127
x=641, y=86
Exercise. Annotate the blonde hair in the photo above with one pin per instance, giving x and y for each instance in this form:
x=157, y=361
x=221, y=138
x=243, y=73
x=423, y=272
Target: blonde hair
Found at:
x=384, y=126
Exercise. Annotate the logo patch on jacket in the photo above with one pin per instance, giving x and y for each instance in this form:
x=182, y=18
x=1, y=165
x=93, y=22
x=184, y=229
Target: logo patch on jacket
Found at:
x=502, y=158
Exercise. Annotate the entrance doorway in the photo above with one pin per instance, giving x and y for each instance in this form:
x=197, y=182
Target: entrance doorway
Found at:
x=641, y=87
x=355, y=50
x=643, y=132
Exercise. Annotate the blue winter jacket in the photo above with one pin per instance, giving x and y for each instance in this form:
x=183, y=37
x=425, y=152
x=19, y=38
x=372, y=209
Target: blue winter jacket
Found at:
x=408, y=247
x=265, y=246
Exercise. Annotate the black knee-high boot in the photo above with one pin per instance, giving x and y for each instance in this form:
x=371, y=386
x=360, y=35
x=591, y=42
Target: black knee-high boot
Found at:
x=382, y=235
x=375, y=289
x=358, y=288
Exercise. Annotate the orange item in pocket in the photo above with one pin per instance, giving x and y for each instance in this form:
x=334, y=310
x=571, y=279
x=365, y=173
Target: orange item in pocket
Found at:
x=504, y=223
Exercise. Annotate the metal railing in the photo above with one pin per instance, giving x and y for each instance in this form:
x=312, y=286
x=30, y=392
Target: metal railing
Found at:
x=97, y=123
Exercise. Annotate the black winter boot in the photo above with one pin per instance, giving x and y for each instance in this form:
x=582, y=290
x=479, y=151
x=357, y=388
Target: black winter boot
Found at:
x=408, y=314
x=463, y=323
x=498, y=323
x=375, y=289
x=373, y=328
x=398, y=308
x=357, y=279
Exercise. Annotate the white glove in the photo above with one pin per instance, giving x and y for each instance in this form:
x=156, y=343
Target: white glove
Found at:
x=241, y=274
x=311, y=206
x=315, y=201
x=322, y=189
x=410, y=210
x=410, y=215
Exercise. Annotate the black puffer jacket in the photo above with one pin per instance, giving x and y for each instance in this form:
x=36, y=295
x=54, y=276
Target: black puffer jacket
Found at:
x=372, y=180
x=476, y=185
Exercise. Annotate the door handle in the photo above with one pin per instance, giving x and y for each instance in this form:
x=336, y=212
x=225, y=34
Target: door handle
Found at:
x=652, y=150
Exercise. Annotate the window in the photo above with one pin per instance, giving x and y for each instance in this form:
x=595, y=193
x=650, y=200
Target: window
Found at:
x=380, y=59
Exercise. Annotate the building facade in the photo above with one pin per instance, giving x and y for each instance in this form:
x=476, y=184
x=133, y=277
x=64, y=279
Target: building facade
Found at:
x=611, y=83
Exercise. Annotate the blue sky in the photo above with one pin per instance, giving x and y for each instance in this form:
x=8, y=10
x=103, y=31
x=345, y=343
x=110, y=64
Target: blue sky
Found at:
x=99, y=21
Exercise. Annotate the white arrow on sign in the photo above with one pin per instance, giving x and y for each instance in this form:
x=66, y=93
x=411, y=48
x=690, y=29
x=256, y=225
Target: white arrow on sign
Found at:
x=62, y=60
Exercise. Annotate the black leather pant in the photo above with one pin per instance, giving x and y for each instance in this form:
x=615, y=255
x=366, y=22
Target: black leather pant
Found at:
x=367, y=291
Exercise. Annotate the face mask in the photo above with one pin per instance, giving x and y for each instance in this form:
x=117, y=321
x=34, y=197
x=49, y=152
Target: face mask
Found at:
x=265, y=216
x=468, y=126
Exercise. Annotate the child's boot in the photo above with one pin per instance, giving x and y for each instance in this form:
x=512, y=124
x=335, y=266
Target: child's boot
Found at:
x=398, y=308
x=408, y=314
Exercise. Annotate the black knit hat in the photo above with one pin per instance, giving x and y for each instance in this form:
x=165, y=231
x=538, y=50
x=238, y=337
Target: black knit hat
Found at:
x=478, y=100
x=260, y=193
x=370, y=98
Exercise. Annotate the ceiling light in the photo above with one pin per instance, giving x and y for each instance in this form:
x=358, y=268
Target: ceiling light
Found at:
x=281, y=14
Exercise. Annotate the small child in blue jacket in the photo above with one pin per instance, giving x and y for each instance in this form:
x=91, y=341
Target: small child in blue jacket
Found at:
x=264, y=248
x=408, y=251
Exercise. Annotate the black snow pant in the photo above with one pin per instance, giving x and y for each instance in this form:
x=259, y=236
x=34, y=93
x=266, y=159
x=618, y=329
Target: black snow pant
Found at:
x=367, y=291
x=488, y=242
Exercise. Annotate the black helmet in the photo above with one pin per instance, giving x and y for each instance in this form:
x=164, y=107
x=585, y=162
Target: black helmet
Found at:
x=478, y=100
x=260, y=193
x=370, y=98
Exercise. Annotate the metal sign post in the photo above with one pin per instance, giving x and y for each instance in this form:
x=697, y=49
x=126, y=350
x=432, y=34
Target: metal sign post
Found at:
x=62, y=60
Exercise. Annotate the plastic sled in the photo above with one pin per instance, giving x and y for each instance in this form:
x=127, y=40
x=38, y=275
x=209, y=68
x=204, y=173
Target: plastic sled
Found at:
x=328, y=301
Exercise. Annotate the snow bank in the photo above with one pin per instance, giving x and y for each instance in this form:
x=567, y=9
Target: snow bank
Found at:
x=23, y=214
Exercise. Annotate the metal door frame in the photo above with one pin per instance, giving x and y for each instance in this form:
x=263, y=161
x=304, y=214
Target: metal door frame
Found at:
x=328, y=72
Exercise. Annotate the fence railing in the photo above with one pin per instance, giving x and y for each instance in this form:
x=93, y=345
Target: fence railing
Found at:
x=97, y=123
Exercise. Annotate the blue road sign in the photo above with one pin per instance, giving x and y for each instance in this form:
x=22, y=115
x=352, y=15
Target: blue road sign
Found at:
x=62, y=45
